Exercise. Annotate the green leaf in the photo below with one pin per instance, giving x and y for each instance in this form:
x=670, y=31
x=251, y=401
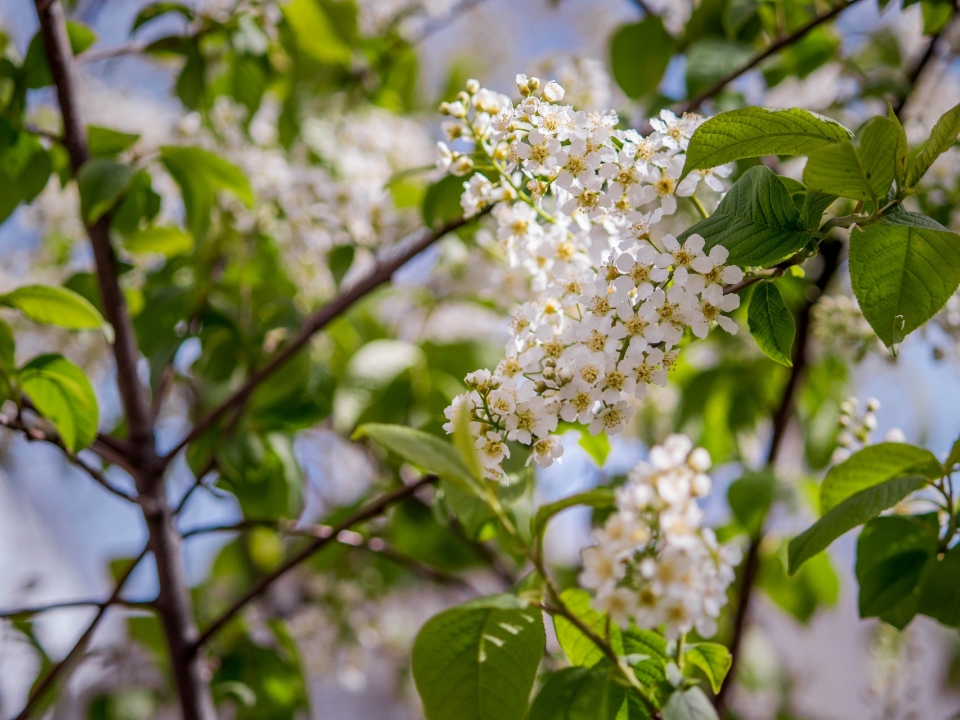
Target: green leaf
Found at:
x=713, y=58
x=953, y=459
x=903, y=147
x=854, y=511
x=872, y=465
x=771, y=324
x=639, y=55
x=579, y=693
x=7, y=348
x=861, y=172
x=101, y=182
x=200, y=175
x=714, y=659
x=596, y=446
x=61, y=393
x=755, y=132
x=689, y=704
x=903, y=269
x=813, y=586
x=814, y=205
x=315, y=34
x=601, y=497
x=104, y=142
x=441, y=203
x=465, y=443
x=939, y=598
x=478, y=661
x=750, y=498
x=580, y=649
x=165, y=240
x=58, y=306
x=155, y=10
x=936, y=15
x=891, y=555
x=424, y=450
x=756, y=221
x=942, y=138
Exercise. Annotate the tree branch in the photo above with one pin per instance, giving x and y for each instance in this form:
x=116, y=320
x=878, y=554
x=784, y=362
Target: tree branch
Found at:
x=695, y=102
x=95, y=54
x=316, y=322
x=830, y=251
x=73, y=657
x=929, y=54
x=375, y=508
x=53, y=30
x=74, y=604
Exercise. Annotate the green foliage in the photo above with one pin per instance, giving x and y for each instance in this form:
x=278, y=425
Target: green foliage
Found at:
x=164, y=240
x=424, y=450
x=754, y=132
x=942, y=138
x=750, y=498
x=756, y=221
x=601, y=497
x=903, y=269
x=580, y=693
x=101, y=181
x=60, y=392
x=891, y=555
x=201, y=175
x=639, y=55
x=25, y=166
x=813, y=586
x=579, y=648
x=855, y=510
x=478, y=661
x=873, y=465
x=315, y=32
x=105, y=142
x=771, y=323
x=862, y=171
x=714, y=659
x=938, y=588
x=56, y=306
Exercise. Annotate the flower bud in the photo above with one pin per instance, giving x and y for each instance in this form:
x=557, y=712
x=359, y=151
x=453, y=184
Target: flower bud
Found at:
x=473, y=86
x=552, y=92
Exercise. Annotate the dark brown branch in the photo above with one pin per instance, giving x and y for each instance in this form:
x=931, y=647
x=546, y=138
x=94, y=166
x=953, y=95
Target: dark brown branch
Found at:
x=372, y=510
x=197, y=484
x=911, y=81
x=375, y=545
x=53, y=30
x=73, y=657
x=830, y=251
x=37, y=435
x=313, y=324
x=695, y=102
x=74, y=604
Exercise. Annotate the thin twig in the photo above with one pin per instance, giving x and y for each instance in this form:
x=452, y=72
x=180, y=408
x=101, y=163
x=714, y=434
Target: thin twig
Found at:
x=197, y=484
x=335, y=308
x=131, y=48
x=695, y=102
x=830, y=251
x=375, y=545
x=917, y=70
x=372, y=510
x=74, y=604
x=72, y=657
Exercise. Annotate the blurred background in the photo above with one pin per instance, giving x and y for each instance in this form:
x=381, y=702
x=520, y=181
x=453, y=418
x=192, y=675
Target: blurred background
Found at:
x=352, y=615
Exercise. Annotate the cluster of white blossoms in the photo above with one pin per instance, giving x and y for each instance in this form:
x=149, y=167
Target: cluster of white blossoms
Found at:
x=653, y=562
x=575, y=200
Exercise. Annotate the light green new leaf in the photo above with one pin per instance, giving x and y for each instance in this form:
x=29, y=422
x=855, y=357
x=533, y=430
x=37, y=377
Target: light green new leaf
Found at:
x=579, y=648
x=639, y=55
x=903, y=149
x=942, y=138
x=903, y=269
x=478, y=661
x=7, y=350
x=200, y=175
x=854, y=511
x=755, y=132
x=101, y=182
x=756, y=221
x=165, y=240
x=600, y=497
x=58, y=306
x=953, y=459
x=689, y=704
x=771, y=323
x=713, y=658
x=424, y=450
x=863, y=171
x=105, y=142
x=872, y=465
x=891, y=555
x=579, y=693
x=316, y=35
x=60, y=392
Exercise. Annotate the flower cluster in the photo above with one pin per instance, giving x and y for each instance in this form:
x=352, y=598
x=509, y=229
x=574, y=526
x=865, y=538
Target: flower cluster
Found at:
x=856, y=428
x=653, y=562
x=575, y=200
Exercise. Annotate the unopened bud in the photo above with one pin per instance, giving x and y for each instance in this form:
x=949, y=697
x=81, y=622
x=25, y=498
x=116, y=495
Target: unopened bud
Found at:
x=473, y=86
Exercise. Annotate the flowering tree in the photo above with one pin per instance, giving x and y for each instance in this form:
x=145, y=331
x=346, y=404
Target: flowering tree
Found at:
x=221, y=278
